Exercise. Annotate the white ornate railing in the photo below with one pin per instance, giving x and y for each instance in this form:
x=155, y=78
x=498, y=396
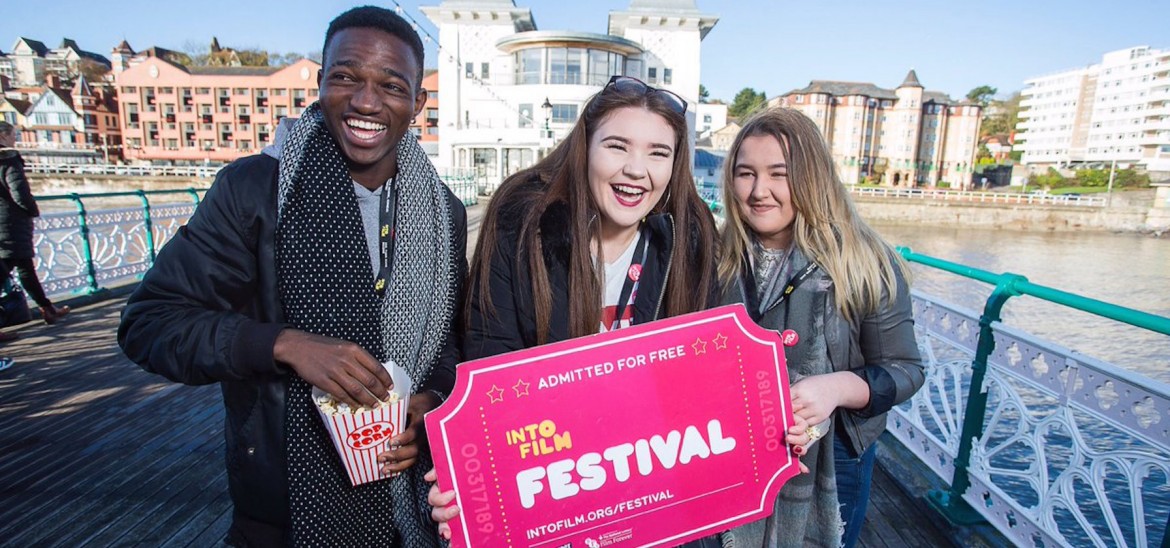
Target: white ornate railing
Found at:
x=1070, y=451
x=965, y=196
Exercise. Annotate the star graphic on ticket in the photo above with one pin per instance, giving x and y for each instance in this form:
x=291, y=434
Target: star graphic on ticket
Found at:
x=521, y=388
x=700, y=346
x=720, y=342
x=496, y=394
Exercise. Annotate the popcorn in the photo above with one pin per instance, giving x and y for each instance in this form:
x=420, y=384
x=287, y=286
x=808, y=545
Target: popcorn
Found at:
x=331, y=406
x=360, y=433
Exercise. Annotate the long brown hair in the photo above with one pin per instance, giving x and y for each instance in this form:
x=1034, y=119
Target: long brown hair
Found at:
x=563, y=175
x=827, y=228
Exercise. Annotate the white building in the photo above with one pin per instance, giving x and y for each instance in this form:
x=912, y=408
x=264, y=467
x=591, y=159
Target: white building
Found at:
x=709, y=117
x=508, y=91
x=1118, y=109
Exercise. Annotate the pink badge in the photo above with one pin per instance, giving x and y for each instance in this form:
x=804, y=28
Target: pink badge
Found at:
x=635, y=272
x=789, y=337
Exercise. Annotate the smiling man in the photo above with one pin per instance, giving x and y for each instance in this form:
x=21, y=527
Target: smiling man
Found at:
x=311, y=270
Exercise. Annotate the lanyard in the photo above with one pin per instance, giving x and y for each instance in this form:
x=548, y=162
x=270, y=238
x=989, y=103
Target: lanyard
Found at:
x=633, y=275
x=793, y=283
x=387, y=215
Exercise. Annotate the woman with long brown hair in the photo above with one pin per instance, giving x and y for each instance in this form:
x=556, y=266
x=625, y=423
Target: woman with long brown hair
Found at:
x=798, y=255
x=608, y=230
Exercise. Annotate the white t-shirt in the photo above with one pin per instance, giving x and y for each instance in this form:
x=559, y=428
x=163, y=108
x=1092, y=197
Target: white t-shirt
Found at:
x=615, y=277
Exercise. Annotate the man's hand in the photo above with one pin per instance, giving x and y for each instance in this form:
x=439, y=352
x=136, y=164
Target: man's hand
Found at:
x=404, y=448
x=338, y=367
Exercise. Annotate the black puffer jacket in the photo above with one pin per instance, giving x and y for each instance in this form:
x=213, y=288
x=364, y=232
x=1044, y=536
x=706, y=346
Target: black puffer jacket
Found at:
x=512, y=325
x=209, y=311
x=17, y=208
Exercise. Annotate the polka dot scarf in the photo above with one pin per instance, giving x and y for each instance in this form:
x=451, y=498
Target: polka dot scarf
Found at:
x=327, y=287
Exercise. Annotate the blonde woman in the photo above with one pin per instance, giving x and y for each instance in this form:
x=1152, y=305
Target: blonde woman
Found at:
x=796, y=253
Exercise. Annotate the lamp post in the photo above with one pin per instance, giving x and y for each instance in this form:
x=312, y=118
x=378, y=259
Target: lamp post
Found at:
x=547, y=108
x=1109, y=189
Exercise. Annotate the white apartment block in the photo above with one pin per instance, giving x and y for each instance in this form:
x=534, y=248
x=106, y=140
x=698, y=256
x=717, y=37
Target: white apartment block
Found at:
x=1116, y=110
x=508, y=91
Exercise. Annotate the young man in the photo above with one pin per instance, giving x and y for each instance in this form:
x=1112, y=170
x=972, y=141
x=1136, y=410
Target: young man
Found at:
x=283, y=280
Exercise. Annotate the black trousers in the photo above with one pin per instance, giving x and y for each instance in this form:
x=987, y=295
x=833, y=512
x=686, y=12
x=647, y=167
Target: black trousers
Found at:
x=26, y=272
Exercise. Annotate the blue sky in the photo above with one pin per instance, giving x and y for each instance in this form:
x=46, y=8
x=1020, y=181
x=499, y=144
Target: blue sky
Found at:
x=768, y=45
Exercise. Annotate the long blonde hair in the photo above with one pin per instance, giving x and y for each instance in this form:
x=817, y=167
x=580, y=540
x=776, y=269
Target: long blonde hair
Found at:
x=827, y=228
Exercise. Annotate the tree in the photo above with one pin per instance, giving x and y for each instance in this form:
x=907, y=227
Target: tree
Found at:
x=94, y=71
x=981, y=94
x=1001, y=116
x=746, y=102
x=704, y=95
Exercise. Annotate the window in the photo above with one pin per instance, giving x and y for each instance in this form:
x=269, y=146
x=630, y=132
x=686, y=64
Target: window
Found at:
x=469, y=70
x=202, y=91
x=652, y=75
x=41, y=119
x=528, y=64
x=666, y=76
x=432, y=95
x=706, y=118
x=525, y=121
x=564, y=114
x=484, y=70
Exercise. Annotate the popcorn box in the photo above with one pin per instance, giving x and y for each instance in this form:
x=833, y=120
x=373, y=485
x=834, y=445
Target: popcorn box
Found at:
x=651, y=435
x=359, y=437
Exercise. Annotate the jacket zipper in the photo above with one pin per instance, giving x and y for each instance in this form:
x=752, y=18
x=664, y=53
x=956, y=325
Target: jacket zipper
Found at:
x=669, y=259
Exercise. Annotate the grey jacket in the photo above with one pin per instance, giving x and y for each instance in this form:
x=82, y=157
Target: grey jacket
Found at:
x=879, y=347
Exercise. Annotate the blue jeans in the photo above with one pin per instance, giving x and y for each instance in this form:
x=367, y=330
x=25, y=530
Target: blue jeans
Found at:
x=854, y=476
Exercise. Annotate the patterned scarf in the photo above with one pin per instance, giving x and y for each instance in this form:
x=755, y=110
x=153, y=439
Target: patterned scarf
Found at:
x=806, y=511
x=327, y=287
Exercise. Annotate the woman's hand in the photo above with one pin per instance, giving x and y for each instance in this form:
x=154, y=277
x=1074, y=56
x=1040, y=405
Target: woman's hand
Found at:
x=444, y=505
x=816, y=397
x=799, y=439
x=404, y=448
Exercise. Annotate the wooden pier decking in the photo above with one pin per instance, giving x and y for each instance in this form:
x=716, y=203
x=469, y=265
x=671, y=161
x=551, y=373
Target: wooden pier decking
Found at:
x=94, y=451
x=97, y=452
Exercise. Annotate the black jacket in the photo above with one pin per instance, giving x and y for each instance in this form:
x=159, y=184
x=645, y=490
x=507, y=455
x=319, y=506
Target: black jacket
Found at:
x=17, y=208
x=209, y=311
x=512, y=324
x=880, y=347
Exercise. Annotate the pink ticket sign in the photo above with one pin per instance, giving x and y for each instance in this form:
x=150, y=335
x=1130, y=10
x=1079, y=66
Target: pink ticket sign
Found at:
x=647, y=436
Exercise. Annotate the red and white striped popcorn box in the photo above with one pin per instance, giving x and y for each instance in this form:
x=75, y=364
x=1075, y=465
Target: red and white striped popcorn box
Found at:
x=360, y=437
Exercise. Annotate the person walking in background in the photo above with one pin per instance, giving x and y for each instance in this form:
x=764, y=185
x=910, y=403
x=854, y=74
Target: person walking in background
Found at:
x=17, y=210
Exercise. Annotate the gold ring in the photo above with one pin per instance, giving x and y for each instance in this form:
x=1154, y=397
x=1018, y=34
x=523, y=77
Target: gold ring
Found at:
x=814, y=433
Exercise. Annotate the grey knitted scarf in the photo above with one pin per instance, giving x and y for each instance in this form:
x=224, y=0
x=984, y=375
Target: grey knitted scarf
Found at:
x=327, y=287
x=806, y=511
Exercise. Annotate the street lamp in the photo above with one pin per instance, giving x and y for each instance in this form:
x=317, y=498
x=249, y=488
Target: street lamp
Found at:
x=547, y=107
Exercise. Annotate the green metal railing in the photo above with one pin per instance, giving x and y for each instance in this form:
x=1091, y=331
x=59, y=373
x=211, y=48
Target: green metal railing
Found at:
x=86, y=237
x=1007, y=285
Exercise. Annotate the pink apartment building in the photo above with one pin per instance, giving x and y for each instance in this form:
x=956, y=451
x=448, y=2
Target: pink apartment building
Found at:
x=426, y=124
x=174, y=114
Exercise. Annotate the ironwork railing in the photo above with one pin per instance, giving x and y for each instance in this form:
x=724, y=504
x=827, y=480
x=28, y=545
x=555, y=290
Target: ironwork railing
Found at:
x=87, y=250
x=1052, y=447
x=86, y=243
x=462, y=183
x=200, y=172
x=975, y=197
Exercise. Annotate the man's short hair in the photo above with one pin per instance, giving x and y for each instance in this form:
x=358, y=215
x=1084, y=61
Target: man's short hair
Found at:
x=7, y=128
x=381, y=19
